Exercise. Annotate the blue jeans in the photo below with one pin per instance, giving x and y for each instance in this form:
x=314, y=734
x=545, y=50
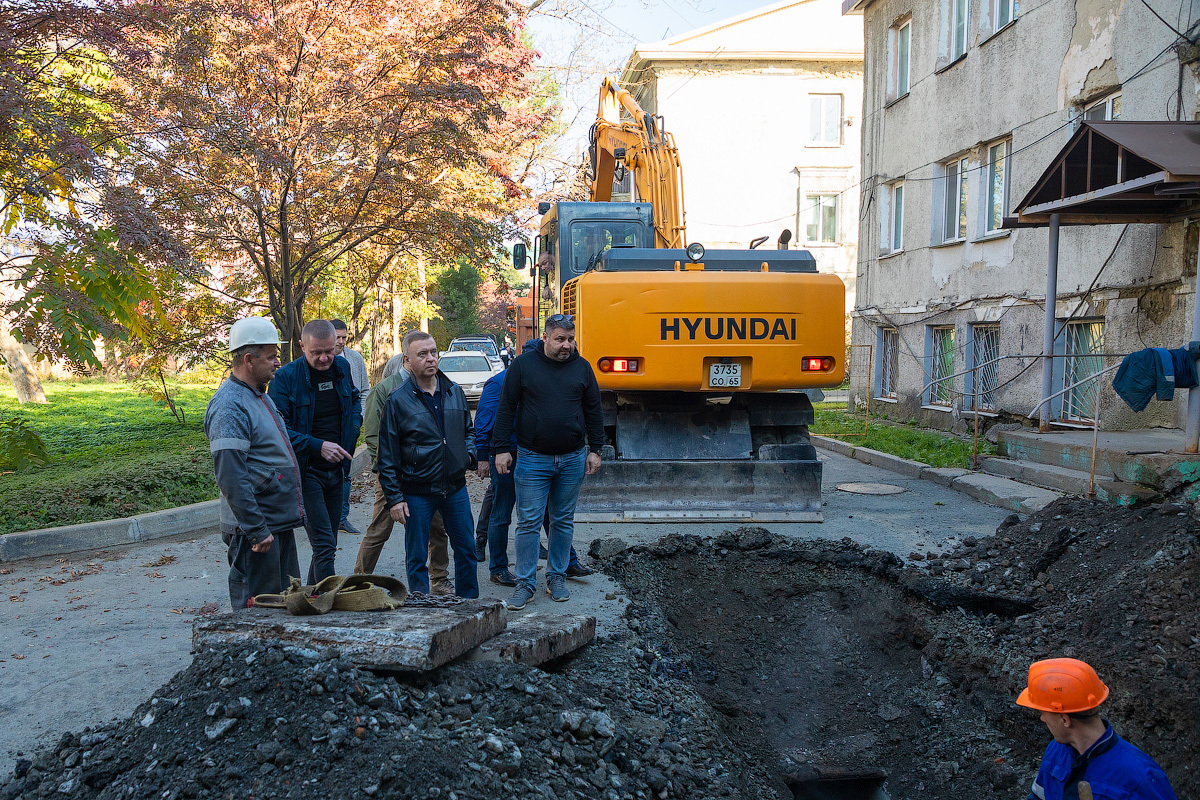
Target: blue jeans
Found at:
x=322, y=510
x=504, y=499
x=345, y=502
x=460, y=529
x=546, y=483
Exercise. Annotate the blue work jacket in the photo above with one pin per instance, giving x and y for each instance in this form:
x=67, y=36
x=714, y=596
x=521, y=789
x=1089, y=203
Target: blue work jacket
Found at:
x=291, y=390
x=485, y=416
x=1115, y=769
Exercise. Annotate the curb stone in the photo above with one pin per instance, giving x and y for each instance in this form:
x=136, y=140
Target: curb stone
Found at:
x=195, y=518
x=1025, y=499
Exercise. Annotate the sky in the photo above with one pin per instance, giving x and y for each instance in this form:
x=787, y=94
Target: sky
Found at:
x=599, y=35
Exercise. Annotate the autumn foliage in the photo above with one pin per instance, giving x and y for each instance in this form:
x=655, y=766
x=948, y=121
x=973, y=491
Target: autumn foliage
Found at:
x=273, y=141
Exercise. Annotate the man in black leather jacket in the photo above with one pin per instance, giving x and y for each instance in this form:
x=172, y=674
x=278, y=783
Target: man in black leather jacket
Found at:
x=426, y=445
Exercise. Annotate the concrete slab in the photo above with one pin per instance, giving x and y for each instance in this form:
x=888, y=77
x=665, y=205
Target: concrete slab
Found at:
x=536, y=638
x=943, y=476
x=405, y=640
x=1005, y=493
x=1048, y=476
x=1150, y=457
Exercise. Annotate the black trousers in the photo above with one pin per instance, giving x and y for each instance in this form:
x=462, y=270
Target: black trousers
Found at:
x=322, y=513
x=252, y=573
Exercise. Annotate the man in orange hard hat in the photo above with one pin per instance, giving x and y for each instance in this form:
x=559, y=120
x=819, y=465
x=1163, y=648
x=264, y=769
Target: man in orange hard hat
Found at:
x=1086, y=760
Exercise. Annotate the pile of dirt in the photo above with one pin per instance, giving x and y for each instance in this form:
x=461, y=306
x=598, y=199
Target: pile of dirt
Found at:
x=839, y=660
x=303, y=723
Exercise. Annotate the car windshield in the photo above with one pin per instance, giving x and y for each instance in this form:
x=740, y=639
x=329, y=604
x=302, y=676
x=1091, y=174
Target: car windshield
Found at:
x=451, y=363
x=482, y=345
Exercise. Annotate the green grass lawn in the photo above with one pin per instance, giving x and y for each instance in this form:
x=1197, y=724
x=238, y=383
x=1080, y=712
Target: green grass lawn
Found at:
x=935, y=448
x=114, y=453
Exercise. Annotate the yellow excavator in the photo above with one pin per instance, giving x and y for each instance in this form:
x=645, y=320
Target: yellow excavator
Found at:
x=702, y=356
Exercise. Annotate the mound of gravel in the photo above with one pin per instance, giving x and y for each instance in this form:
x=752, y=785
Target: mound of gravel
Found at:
x=304, y=723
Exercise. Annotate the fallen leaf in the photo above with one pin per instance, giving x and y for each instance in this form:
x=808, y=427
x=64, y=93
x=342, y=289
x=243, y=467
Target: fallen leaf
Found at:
x=161, y=561
x=18, y=656
x=154, y=575
x=5, y=571
x=15, y=599
x=209, y=608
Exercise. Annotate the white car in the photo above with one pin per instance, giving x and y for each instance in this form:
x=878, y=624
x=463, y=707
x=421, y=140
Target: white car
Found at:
x=470, y=369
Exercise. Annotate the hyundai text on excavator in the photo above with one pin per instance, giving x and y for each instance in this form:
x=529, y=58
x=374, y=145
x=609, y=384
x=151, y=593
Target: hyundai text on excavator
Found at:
x=701, y=356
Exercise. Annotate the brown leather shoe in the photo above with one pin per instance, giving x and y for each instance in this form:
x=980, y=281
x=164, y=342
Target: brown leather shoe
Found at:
x=442, y=586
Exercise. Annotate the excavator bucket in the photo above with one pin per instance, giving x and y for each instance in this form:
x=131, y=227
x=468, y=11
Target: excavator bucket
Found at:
x=703, y=491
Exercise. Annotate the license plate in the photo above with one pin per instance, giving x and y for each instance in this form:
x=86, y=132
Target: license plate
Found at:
x=725, y=375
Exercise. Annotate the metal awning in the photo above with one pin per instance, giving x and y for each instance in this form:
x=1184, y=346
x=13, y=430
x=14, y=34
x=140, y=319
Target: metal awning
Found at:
x=1117, y=172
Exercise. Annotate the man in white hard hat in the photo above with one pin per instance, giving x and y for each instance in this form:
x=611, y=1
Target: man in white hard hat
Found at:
x=256, y=469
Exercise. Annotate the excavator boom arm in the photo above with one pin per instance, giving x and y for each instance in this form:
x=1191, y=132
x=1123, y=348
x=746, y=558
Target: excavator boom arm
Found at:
x=645, y=149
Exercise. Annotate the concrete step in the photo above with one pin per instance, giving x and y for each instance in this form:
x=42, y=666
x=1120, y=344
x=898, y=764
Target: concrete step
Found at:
x=1047, y=476
x=1147, y=458
x=1004, y=492
x=1068, y=481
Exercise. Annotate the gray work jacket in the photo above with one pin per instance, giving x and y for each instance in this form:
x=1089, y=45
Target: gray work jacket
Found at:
x=255, y=467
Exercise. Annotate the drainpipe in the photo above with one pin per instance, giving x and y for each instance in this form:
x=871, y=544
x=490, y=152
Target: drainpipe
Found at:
x=1192, y=444
x=1048, y=334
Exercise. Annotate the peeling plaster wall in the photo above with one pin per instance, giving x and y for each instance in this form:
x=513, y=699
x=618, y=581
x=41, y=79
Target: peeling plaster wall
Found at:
x=1027, y=80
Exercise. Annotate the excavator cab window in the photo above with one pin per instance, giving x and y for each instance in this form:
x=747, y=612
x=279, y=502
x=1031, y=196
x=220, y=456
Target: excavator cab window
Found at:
x=590, y=240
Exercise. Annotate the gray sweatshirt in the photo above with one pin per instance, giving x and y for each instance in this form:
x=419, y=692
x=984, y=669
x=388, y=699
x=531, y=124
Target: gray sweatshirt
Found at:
x=255, y=467
x=358, y=374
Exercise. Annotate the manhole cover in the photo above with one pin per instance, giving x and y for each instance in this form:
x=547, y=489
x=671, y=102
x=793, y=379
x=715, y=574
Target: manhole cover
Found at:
x=870, y=488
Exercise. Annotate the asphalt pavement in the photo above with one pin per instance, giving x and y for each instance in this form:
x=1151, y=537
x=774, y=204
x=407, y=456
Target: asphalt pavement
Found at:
x=88, y=637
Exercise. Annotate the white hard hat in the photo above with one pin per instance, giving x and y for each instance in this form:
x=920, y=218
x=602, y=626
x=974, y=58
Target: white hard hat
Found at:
x=252, y=330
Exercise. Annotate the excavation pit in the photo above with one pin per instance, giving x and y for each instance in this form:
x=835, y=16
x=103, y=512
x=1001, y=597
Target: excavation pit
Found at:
x=844, y=673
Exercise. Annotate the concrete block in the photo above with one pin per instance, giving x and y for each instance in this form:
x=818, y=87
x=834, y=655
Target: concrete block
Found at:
x=66, y=539
x=534, y=638
x=1004, y=493
x=904, y=466
x=943, y=476
x=361, y=461
x=836, y=445
x=412, y=638
x=172, y=521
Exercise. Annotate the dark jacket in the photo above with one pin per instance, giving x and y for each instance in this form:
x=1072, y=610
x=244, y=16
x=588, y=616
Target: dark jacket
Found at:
x=555, y=405
x=293, y=395
x=414, y=457
x=1115, y=769
x=1154, y=372
x=256, y=471
x=485, y=417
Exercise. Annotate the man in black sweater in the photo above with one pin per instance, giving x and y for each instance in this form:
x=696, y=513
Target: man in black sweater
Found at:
x=552, y=397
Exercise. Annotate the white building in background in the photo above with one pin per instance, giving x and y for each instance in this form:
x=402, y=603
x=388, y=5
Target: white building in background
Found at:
x=966, y=103
x=765, y=110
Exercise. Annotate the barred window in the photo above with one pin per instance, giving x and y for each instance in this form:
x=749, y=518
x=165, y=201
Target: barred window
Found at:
x=942, y=366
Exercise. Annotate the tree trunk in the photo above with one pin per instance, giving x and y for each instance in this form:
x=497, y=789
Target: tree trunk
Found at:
x=397, y=315
x=424, y=289
x=379, y=354
x=20, y=368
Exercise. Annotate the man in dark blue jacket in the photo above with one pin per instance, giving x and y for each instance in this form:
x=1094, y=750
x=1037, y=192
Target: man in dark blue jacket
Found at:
x=319, y=403
x=503, y=488
x=1087, y=758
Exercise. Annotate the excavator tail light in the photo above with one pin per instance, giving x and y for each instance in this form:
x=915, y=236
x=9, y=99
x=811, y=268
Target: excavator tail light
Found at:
x=816, y=364
x=618, y=365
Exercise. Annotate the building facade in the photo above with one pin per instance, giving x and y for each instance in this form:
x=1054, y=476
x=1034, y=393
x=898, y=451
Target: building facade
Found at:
x=965, y=104
x=764, y=108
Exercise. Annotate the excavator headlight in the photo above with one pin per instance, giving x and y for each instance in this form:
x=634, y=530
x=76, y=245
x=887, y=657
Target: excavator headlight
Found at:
x=695, y=251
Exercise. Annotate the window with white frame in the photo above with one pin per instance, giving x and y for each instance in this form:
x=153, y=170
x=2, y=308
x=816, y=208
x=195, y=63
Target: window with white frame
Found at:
x=825, y=119
x=1105, y=109
x=954, y=207
x=997, y=171
x=889, y=361
x=984, y=366
x=893, y=219
x=822, y=212
x=899, y=57
x=941, y=365
x=960, y=27
x=1005, y=12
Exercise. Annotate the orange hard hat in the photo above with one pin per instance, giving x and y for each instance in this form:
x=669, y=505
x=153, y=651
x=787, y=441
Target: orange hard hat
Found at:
x=1063, y=686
